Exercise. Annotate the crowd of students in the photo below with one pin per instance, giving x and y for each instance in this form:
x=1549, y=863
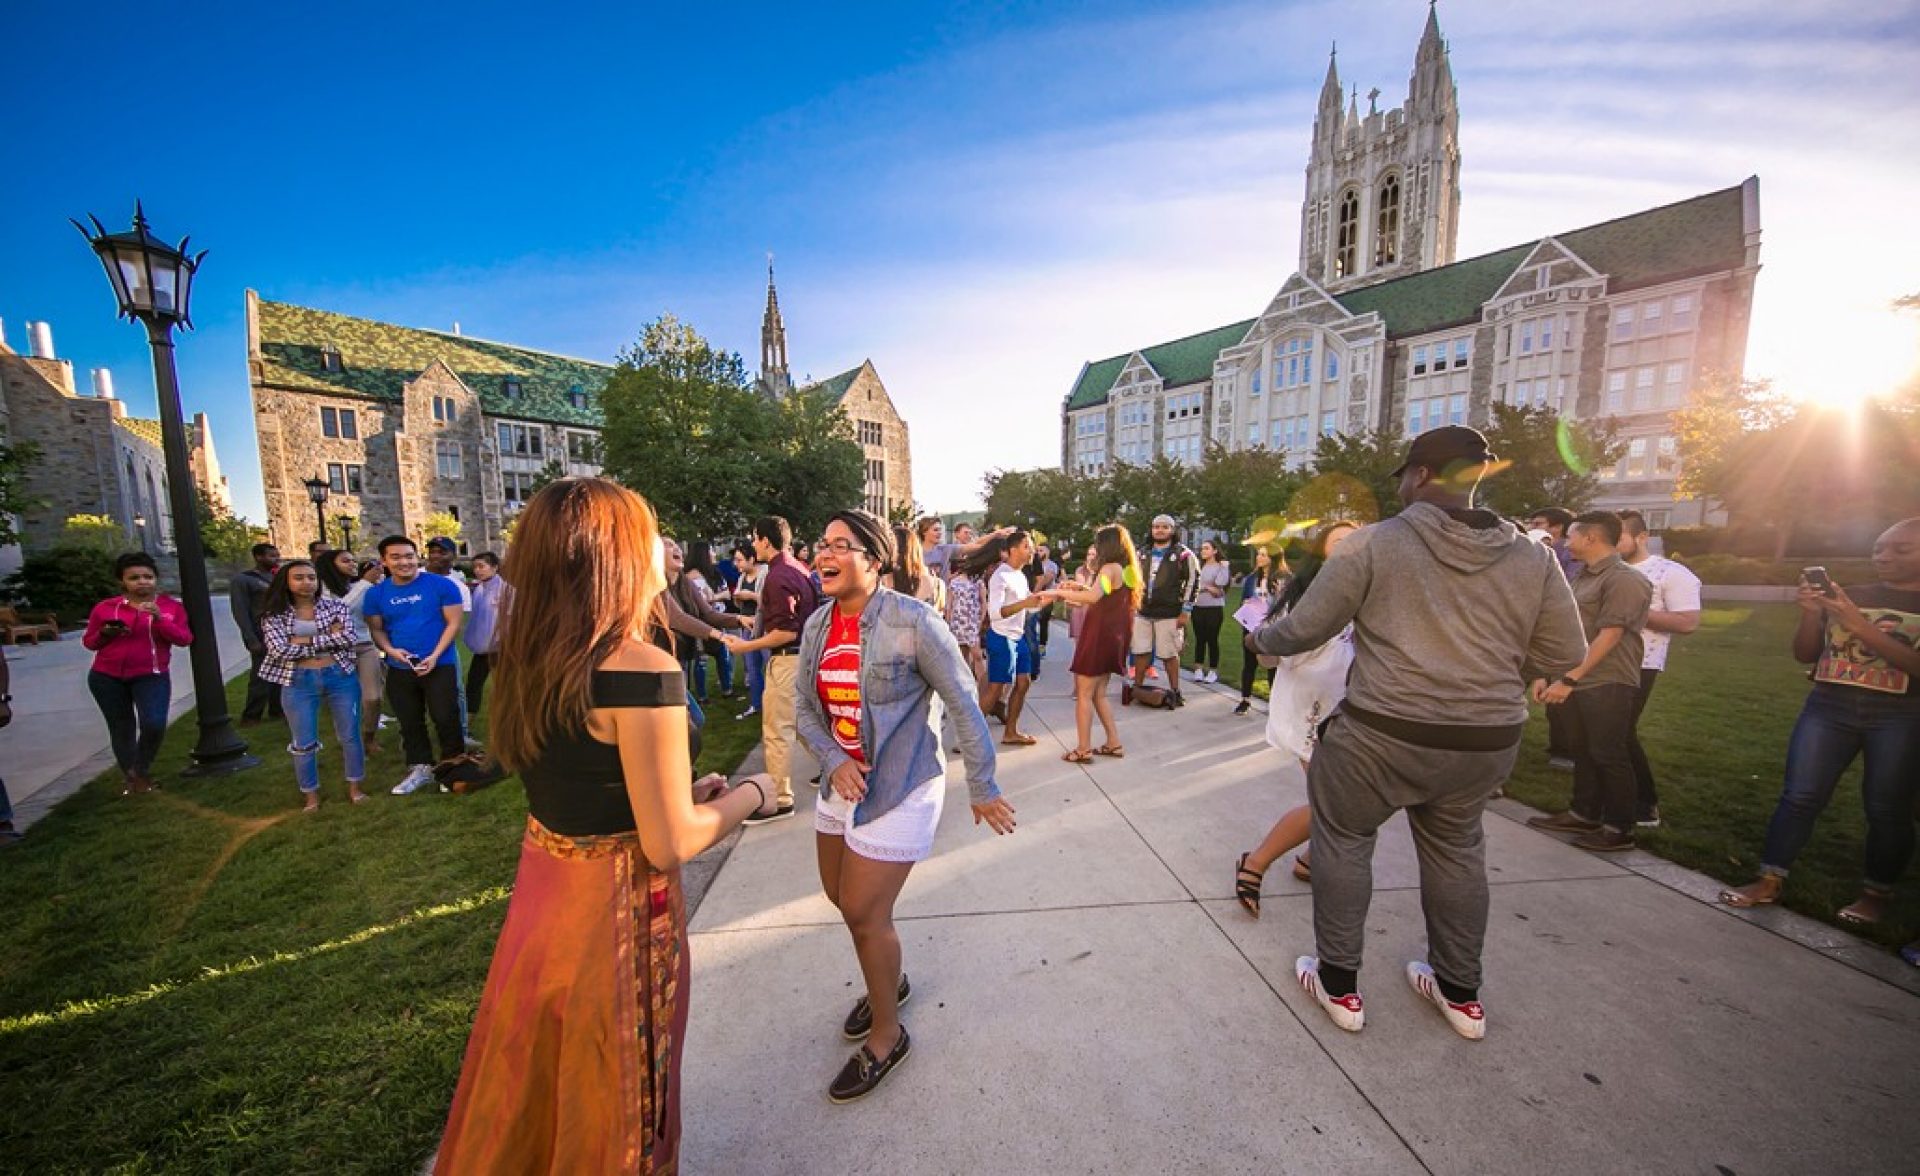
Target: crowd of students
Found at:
x=1402, y=658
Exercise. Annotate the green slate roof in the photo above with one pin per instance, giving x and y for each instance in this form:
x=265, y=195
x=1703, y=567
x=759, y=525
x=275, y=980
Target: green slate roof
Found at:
x=834, y=387
x=1703, y=235
x=377, y=359
x=141, y=427
x=1183, y=361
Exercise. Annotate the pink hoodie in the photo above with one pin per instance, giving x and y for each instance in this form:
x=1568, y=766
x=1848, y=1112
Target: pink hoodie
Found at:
x=147, y=645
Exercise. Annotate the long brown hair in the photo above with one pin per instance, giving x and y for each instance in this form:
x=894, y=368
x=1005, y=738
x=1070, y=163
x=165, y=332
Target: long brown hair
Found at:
x=587, y=572
x=909, y=563
x=1113, y=544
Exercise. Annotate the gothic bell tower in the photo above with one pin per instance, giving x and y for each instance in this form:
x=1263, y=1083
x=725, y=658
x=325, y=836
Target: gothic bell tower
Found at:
x=1383, y=188
x=775, y=379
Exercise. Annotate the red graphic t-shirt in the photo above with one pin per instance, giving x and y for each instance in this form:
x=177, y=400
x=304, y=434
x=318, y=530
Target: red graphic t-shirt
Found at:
x=839, y=682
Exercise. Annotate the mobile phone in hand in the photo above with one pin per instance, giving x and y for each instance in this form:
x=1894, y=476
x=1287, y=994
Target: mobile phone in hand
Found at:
x=1816, y=577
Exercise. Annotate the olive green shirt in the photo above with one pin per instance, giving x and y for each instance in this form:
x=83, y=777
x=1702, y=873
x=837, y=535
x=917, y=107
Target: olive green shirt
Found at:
x=1610, y=594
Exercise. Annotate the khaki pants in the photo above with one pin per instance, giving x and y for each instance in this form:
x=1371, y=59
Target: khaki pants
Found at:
x=777, y=722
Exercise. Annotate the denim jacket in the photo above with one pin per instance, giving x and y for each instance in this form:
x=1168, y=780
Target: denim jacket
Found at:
x=910, y=666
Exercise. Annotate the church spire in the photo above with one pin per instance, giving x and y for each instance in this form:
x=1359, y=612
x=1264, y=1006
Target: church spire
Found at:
x=774, y=376
x=1431, y=91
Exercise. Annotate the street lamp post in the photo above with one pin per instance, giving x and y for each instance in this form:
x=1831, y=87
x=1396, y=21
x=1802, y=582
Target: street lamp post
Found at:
x=345, y=522
x=317, y=494
x=153, y=283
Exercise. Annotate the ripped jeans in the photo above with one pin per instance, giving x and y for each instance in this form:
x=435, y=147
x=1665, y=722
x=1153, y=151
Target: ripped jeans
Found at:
x=339, y=692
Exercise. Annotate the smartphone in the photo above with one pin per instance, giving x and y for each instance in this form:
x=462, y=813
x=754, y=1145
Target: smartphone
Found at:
x=1816, y=577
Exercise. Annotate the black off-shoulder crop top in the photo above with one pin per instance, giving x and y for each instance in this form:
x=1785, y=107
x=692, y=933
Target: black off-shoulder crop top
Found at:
x=577, y=788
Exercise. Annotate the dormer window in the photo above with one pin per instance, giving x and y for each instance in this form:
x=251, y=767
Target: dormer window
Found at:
x=329, y=358
x=577, y=396
x=510, y=387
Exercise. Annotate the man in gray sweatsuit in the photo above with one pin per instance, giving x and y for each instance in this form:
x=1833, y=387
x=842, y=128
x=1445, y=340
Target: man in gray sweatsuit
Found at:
x=1454, y=611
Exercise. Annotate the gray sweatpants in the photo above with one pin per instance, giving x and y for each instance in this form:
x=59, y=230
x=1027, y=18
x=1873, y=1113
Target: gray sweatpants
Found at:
x=1358, y=778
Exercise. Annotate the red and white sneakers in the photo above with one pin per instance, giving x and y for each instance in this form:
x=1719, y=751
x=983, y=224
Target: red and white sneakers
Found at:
x=1469, y=1020
x=1348, y=1011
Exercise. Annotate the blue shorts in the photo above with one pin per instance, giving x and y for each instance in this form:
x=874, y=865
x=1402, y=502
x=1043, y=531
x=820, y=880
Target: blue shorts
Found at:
x=1007, y=658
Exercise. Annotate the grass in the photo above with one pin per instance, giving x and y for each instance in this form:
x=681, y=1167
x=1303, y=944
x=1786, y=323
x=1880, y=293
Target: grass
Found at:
x=1716, y=733
x=205, y=980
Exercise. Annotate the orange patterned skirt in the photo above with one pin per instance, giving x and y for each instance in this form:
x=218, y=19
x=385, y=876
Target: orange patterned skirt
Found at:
x=574, y=1062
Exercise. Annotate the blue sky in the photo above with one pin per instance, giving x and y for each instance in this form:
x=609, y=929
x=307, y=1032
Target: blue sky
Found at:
x=978, y=197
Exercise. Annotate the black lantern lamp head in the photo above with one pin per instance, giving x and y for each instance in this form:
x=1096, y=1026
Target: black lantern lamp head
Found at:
x=152, y=280
x=317, y=490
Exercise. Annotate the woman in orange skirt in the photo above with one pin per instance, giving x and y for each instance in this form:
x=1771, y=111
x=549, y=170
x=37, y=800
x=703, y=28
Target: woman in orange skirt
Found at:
x=574, y=1061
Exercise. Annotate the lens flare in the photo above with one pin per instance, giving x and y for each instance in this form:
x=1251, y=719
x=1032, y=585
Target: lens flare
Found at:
x=1563, y=440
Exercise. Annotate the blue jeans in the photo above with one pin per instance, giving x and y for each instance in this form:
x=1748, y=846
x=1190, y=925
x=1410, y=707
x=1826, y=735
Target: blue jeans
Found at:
x=136, y=714
x=756, y=677
x=1837, y=724
x=339, y=692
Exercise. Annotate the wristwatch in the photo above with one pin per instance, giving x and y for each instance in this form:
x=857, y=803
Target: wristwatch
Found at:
x=1568, y=681
x=6, y=700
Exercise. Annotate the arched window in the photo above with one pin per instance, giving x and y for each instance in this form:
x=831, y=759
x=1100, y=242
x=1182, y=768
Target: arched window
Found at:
x=1346, y=249
x=1386, y=226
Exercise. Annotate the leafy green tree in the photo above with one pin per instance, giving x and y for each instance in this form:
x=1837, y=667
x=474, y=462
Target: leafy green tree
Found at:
x=15, y=460
x=1710, y=431
x=1546, y=460
x=1234, y=488
x=1046, y=500
x=811, y=465
x=546, y=475
x=439, y=525
x=1161, y=486
x=1368, y=459
x=225, y=536
x=93, y=532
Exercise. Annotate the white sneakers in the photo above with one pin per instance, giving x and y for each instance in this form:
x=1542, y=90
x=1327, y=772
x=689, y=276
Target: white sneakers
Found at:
x=1469, y=1020
x=1348, y=1011
x=1213, y=675
x=418, y=777
x=1204, y=675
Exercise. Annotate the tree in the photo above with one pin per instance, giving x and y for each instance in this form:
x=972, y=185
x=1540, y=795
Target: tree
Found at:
x=1546, y=460
x=1233, y=489
x=905, y=514
x=1046, y=500
x=1368, y=459
x=684, y=429
x=225, y=536
x=15, y=460
x=439, y=525
x=546, y=475
x=1161, y=486
x=1710, y=431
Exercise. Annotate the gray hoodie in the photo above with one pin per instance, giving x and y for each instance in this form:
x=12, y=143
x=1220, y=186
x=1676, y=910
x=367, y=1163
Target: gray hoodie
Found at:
x=1451, y=614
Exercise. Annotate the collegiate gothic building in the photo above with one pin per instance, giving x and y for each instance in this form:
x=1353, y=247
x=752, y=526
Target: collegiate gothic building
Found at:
x=1381, y=328
x=403, y=423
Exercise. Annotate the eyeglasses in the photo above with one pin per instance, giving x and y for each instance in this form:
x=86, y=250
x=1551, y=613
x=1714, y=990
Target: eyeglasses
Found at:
x=838, y=547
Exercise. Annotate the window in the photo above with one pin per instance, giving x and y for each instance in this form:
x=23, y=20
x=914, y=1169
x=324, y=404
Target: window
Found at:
x=1253, y=436
x=1462, y=352
x=1637, y=456
x=1650, y=316
x=520, y=440
x=446, y=459
x=330, y=358
x=1256, y=381
x=1616, y=392
x=1526, y=338
x=1333, y=366
x=1657, y=520
x=1642, y=389
x=1416, y=417
x=344, y=479
x=1278, y=438
x=1457, y=409
x=1682, y=312
x=516, y=486
x=1666, y=456
x=581, y=448
x=443, y=409
x=1522, y=390
x=1346, y=250
x=1329, y=423
x=1622, y=323
x=1546, y=333
x=343, y=423
x=1420, y=361
x=1674, y=389
x=870, y=433
x=1386, y=223
x=510, y=387
x=577, y=396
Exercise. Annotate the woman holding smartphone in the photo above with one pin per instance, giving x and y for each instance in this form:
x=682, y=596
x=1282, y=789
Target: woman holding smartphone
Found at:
x=132, y=635
x=877, y=668
x=310, y=639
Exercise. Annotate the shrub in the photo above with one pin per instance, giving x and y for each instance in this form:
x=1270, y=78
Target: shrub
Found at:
x=1735, y=569
x=66, y=580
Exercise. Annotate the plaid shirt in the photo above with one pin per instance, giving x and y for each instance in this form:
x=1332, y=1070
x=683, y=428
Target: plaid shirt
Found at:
x=329, y=614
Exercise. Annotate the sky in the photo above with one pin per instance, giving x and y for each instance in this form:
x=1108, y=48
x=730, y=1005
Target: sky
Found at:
x=977, y=196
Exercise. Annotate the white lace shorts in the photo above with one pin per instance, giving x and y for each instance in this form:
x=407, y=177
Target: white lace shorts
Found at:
x=905, y=834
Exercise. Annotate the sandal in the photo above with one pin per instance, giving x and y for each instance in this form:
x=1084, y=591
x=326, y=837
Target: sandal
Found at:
x=1018, y=740
x=1246, y=885
x=1078, y=756
x=1867, y=910
x=1302, y=868
x=1113, y=750
x=1740, y=897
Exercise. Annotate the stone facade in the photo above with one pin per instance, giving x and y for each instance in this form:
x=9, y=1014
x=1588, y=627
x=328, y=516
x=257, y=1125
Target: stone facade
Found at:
x=1620, y=320
x=882, y=434
x=95, y=459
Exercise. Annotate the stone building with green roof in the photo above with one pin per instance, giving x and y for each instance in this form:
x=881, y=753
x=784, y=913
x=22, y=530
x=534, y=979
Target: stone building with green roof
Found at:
x=1380, y=328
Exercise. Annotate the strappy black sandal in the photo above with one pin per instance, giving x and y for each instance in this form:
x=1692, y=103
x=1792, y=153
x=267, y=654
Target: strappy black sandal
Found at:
x=1246, y=885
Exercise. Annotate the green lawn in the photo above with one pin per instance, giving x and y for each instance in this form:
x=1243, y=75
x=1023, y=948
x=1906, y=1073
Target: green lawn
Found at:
x=206, y=980
x=1716, y=733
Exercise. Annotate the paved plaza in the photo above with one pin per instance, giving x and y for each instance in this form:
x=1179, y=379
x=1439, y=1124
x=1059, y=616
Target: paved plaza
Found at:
x=1088, y=998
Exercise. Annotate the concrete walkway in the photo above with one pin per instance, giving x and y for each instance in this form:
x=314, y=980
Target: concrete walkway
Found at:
x=1088, y=998
x=58, y=741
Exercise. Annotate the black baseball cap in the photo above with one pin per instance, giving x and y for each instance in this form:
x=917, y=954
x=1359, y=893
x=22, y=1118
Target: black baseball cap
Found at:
x=1444, y=448
x=442, y=543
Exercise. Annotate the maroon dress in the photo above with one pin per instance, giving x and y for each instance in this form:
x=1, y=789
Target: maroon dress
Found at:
x=1105, y=636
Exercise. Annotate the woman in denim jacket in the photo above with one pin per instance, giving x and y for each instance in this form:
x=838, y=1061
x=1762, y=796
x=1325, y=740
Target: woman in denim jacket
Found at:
x=309, y=637
x=877, y=670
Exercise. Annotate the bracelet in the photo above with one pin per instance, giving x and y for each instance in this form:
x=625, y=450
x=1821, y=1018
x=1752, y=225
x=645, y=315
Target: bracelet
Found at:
x=1569, y=681
x=755, y=785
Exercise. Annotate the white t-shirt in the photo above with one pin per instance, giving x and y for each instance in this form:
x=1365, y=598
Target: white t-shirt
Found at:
x=1675, y=589
x=1008, y=586
x=466, y=593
